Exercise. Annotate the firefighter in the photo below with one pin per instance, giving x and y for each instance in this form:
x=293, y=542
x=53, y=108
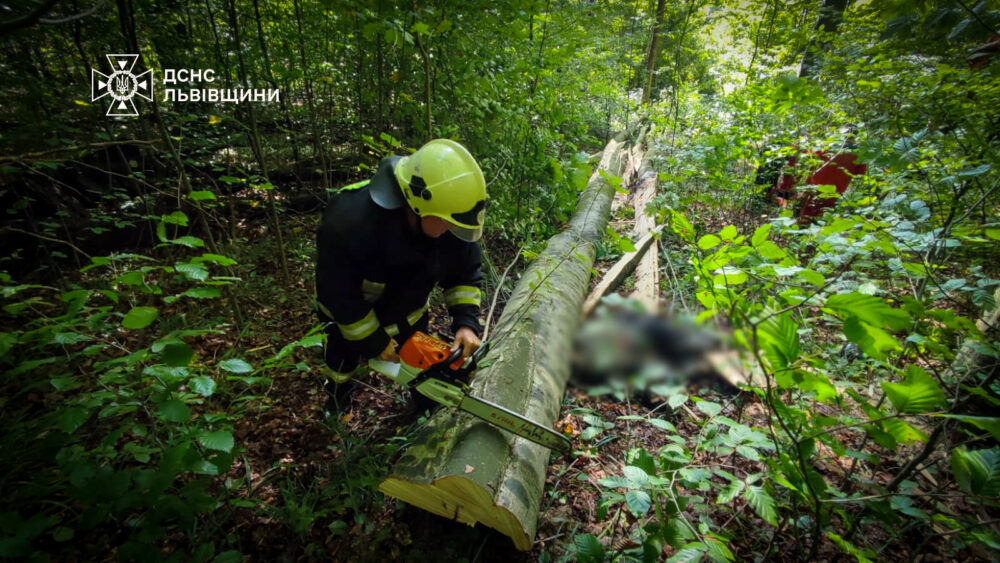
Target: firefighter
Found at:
x=382, y=246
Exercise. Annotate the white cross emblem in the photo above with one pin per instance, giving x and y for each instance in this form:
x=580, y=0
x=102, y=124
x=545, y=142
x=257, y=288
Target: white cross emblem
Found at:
x=121, y=85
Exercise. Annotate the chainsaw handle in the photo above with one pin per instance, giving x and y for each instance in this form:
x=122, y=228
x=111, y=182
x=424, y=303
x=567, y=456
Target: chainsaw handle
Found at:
x=455, y=355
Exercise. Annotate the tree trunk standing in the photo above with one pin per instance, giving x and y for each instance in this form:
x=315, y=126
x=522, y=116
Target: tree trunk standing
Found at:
x=269, y=75
x=379, y=72
x=359, y=82
x=541, y=52
x=654, y=43
x=676, y=74
x=317, y=145
x=125, y=16
x=222, y=59
x=255, y=144
x=756, y=42
x=829, y=19
x=470, y=471
x=427, y=88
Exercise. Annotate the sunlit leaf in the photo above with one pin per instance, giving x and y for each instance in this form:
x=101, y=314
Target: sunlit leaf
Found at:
x=918, y=393
x=140, y=317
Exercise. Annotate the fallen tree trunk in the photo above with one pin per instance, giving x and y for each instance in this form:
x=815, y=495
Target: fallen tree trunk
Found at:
x=647, y=271
x=617, y=274
x=464, y=469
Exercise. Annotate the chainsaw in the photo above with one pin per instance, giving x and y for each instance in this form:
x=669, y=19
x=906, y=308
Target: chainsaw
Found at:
x=428, y=366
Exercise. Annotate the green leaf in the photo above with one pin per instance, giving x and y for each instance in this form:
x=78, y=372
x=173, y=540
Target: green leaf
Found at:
x=175, y=218
x=174, y=410
x=812, y=276
x=708, y=407
x=202, y=292
x=729, y=276
x=872, y=340
x=989, y=424
x=917, y=394
x=442, y=27
x=189, y=241
x=220, y=440
x=636, y=475
x=848, y=547
x=231, y=556
x=717, y=550
x=177, y=353
x=730, y=492
x=69, y=338
x=614, y=482
x=779, y=339
x=689, y=553
x=709, y=241
x=902, y=432
x=203, y=385
x=762, y=504
x=72, y=418
x=420, y=27
x=201, y=195
x=195, y=272
x=588, y=549
x=139, y=317
x=760, y=235
x=7, y=342
x=771, y=251
x=870, y=309
x=676, y=400
x=216, y=259
x=204, y=467
x=977, y=171
x=641, y=459
x=662, y=424
x=62, y=533
x=682, y=226
x=638, y=502
x=728, y=233
x=993, y=234
x=236, y=365
x=977, y=471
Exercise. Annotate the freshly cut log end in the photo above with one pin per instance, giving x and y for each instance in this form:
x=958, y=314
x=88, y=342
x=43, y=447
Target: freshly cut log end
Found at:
x=461, y=469
x=459, y=499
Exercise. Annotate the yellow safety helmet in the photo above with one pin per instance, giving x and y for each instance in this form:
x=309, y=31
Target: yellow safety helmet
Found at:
x=443, y=180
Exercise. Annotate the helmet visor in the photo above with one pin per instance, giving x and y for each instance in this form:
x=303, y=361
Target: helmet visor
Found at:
x=466, y=234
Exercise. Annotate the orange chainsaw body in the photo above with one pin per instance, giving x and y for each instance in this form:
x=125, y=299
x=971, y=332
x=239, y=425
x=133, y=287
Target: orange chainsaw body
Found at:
x=423, y=350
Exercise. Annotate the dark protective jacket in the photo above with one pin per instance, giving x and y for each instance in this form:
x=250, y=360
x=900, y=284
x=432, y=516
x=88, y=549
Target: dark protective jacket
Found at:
x=374, y=270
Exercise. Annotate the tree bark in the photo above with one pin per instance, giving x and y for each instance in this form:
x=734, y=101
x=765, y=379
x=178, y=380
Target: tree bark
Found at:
x=617, y=273
x=647, y=271
x=828, y=21
x=654, y=44
x=464, y=469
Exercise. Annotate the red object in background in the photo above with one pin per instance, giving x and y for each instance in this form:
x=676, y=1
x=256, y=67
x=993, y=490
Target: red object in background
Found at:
x=836, y=172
